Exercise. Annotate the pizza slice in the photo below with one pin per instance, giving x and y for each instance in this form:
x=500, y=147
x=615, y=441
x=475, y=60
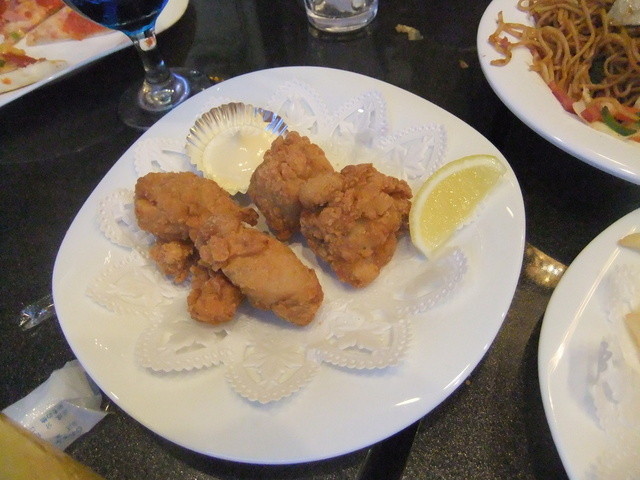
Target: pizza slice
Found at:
x=65, y=24
x=19, y=70
x=18, y=17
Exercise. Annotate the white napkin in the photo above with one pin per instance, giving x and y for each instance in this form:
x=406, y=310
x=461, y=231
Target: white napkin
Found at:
x=63, y=408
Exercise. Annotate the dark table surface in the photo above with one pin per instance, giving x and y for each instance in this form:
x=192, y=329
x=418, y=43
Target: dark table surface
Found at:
x=57, y=142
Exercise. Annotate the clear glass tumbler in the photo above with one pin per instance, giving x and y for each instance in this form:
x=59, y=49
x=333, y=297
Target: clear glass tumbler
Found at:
x=340, y=16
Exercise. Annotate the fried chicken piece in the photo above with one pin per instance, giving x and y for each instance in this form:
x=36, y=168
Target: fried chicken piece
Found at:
x=172, y=206
x=175, y=258
x=275, y=183
x=267, y=271
x=352, y=220
x=213, y=298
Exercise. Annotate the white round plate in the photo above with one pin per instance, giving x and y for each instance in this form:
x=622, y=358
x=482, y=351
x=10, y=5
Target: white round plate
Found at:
x=573, y=327
x=78, y=53
x=340, y=410
x=527, y=96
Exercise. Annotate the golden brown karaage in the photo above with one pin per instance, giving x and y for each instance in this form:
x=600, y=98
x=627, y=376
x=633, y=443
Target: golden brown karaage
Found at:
x=352, y=220
x=172, y=206
x=267, y=271
x=175, y=258
x=213, y=298
x=275, y=183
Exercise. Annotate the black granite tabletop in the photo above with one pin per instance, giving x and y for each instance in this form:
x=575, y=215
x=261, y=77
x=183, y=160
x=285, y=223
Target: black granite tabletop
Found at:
x=57, y=142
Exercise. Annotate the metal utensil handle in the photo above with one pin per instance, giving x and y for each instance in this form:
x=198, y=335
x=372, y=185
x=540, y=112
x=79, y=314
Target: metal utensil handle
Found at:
x=36, y=313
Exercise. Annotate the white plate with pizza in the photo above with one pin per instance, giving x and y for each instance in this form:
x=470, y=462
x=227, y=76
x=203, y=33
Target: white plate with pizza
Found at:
x=340, y=409
x=524, y=92
x=56, y=45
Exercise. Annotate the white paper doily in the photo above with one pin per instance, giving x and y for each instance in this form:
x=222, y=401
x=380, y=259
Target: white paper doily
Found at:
x=266, y=359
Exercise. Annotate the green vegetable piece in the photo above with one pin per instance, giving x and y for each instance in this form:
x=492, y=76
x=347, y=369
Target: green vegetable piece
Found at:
x=614, y=125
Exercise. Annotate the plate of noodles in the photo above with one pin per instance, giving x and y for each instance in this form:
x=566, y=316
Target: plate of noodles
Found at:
x=542, y=93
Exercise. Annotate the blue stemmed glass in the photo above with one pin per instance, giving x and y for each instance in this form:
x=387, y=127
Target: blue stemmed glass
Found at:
x=163, y=88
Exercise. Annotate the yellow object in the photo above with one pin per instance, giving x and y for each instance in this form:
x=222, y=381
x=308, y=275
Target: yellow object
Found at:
x=231, y=157
x=24, y=456
x=449, y=197
x=630, y=241
x=632, y=320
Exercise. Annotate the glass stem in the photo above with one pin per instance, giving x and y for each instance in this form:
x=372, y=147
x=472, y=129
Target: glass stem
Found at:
x=156, y=71
x=161, y=90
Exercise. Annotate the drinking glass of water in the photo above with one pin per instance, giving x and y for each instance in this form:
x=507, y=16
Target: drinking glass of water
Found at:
x=340, y=16
x=163, y=88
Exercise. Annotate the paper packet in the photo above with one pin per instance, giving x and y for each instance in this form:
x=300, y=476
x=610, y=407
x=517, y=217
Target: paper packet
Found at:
x=61, y=409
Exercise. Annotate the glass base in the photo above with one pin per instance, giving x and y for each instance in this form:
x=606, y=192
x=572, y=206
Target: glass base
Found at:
x=132, y=108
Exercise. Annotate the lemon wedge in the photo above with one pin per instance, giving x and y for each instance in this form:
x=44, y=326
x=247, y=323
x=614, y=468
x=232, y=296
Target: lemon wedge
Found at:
x=448, y=198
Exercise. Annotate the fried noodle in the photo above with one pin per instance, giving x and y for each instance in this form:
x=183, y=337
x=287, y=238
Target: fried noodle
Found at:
x=577, y=51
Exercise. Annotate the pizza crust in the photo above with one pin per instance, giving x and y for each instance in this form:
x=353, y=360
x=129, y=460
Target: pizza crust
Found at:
x=30, y=74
